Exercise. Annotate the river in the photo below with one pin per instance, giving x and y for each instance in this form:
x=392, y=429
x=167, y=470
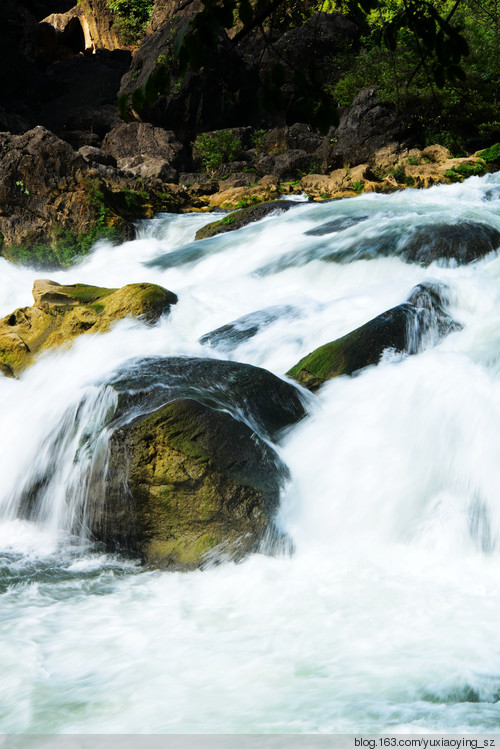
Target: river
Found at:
x=385, y=617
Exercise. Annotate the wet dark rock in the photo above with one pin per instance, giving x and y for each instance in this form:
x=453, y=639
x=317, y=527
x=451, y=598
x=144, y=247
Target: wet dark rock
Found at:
x=242, y=217
x=335, y=225
x=251, y=394
x=418, y=323
x=459, y=243
x=227, y=337
x=462, y=242
x=186, y=486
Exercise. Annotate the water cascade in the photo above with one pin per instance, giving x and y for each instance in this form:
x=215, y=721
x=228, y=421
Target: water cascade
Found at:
x=384, y=616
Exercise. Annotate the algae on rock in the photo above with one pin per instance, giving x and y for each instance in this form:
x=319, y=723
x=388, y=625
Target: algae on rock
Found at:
x=61, y=313
x=186, y=484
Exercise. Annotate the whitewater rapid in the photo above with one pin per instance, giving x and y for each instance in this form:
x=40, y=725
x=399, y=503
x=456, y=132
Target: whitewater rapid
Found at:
x=385, y=618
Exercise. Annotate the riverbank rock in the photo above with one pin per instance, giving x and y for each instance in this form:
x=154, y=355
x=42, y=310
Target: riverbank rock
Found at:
x=53, y=205
x=187, y=485
x=409, y=327
x=61, y=313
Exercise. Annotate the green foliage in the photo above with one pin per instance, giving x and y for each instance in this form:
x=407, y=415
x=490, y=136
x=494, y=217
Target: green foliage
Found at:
x=248, y=201
x=258, y=140
x=22, y=187
x=358, y=187
x=228, y=220
x=130, y=18
x=215, y=149
x=491, y=155
x=462, y=171
x=66, y=248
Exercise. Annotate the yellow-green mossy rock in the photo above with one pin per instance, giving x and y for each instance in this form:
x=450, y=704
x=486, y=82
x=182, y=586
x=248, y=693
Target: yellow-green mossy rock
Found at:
x=186, y=485
x=61, y=313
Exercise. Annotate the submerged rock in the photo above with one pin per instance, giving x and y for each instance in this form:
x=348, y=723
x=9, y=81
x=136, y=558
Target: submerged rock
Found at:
x=462, y=242
x=61, y=313
x=228, y=336
x=187, y=485
x=251, y=394
x=409, y=327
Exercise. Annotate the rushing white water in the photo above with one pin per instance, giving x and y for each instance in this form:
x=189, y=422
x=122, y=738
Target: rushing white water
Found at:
x=386, y=616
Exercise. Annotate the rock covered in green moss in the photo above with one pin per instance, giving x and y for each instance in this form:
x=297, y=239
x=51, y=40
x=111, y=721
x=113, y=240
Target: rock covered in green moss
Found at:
x=61, y=313
x=187, y=484
x=422, y=320
x=242, y=217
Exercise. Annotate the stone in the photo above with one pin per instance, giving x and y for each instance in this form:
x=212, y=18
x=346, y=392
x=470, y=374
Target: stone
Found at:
x=187, y=485
x=437, y=154
x=419, y=322
x=267, y=403
x=61, y=313
x=141, y=139
x=365, y=127
x=242, y=217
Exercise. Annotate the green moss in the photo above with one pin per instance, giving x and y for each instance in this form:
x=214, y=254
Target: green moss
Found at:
x=463, y=171
x=325, y=362
x=491, y=155
x=228, y=220
x=86, y=294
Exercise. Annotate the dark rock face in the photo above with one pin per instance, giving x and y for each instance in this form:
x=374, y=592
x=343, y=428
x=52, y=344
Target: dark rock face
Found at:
x=227, y=337
x=284, y=166
x=317, y=42
x=266, y=403
x=242, y=217
x=222, y=95
x=47, y=191
x=418, y=323
x=186, y=485
x=365, y=127
x=79, y=94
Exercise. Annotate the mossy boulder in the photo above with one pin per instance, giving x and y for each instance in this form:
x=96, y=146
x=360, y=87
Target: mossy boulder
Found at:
x=61, y=313
x=185, y=485
x=242, y=217
x=250, y=394
x=419, y=322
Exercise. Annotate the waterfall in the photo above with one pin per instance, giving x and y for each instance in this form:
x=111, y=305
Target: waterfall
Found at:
x=384, y=617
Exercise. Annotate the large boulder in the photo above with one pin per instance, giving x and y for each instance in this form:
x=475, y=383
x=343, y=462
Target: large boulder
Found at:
x=365, y=127
x=409, y=327
x=145, y=150
x=267, y=403
x=61, y=313
x=184, y=486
